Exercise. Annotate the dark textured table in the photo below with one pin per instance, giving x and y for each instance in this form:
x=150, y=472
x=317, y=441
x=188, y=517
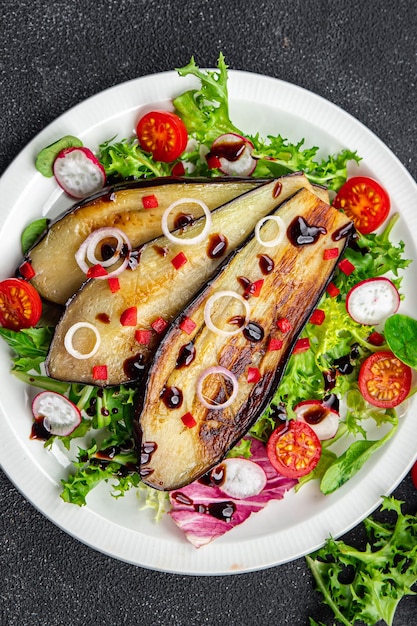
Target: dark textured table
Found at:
x=360, y=55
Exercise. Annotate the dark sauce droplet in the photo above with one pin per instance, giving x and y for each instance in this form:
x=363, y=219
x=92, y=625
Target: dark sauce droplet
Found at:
x=217, y=246
x=231, y=151
x=134, y=366
x=146, y=451
x=183, y=219
x=161, y=250
x=39, y=431
x=266, y=264
x=222, y=510
x=186, y=355
x=343, y=232
x=301, y=233
x=104, y=318
x=315, y=414
x=253, y=332
x=172, y=397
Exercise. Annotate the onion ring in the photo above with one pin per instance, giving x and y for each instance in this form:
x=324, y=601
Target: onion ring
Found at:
x=69, y=337
x=217, y=369
x=183, y=240
x=89, y=245
x=208, y=307
x=272, y=242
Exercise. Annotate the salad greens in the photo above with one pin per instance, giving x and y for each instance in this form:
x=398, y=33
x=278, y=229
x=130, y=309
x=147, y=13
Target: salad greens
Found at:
x=109, y=454
x=366, y=585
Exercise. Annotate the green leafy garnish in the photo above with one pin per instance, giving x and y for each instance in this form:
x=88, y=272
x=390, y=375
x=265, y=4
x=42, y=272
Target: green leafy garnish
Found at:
x=401, y=335
x=378, y=576
x=46, y=157
x=32, y=233
x=125, y=159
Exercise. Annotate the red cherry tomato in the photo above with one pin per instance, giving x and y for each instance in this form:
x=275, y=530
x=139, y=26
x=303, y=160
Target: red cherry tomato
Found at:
x=163, y=134
x=384, y=380
x=293, y=449
x=364, y=201
x=20, y=304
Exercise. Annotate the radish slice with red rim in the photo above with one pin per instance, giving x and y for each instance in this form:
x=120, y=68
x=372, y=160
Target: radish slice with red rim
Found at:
x=321, y=418
x=58, y=415
x=208, y=310
x=184, y=240
x=87, y=251
x=234, y=153
x=79, y=172
x=239, y=478
x=223, y=372
x=372, y=301
x=68, y=340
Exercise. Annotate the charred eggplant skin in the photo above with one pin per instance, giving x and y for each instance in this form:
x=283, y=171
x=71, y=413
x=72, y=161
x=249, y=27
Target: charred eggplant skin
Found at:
x=155, y=289
x=57, y=275
x=175, y=451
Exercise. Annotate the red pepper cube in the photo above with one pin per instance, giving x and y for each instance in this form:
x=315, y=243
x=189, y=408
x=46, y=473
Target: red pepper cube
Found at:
x=159, y=325
x=179, y=260
x=254, y=375
x=275, y=344
x=213, y=162
x=100, y=372
x=27, y=270
x=143, y=336
x=376, y=339
x=318, y=316
x=332, y=290
x=150, y=202
x=330, y=253
x=129, y=317
x=178, y=169
x=301, y=345
x=114, y=284
x=255, y=288
x=187, y=325
x=346, y=267
x=96, y=270
x=188, y=420
x=284, y=325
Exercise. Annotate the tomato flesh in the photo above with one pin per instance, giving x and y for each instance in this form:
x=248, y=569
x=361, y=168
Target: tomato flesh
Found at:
x=364, y=201
x=163, y=134
x=294, y=449
x=384, y=381
x=20, y=304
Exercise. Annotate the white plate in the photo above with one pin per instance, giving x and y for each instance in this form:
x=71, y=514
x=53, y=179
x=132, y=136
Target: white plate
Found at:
x=287, y=529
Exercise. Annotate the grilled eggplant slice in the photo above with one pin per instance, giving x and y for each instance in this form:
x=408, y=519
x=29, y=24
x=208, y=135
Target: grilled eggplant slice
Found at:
x=156, y=291
x=57, y=275
x=192, y=414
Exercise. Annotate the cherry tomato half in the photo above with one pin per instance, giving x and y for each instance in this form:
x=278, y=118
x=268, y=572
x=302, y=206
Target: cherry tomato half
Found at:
x=293, y=449
x=20, y=304
x=163, y=134
x=364, y=201
x=384, y=380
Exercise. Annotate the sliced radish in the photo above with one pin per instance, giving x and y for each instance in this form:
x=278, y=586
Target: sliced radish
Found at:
x=321, y=418
x=58, y=415
x=372, y=300
x=239, y=478
x=79, y=172
x=234, y=154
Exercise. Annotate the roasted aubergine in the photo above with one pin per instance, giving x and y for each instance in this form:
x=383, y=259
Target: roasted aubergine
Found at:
x=136, y=208
x=130, y=322
x=205, y=388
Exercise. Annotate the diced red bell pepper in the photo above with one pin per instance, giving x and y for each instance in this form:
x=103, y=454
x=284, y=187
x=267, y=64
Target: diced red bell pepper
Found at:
x=178, y=169
x=150, y=202
x=376, y=339
x=330, y=253
x=254, y=288
x=188, y=420
x=275, y=344
x=114, y=284
x=179, y=260
x=346, y=267
x=96, y=270
x=27, y=270
x=129, y=317
x=159, y=325
x=143, y=336
x=187, y=325
x=100, y=372
x=318, y=316
x=213, y=162
x=284, y=325
x=254, y=375
x=332, y=290
x=301, y=345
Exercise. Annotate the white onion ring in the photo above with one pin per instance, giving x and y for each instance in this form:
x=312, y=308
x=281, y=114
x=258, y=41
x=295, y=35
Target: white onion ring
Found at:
x=217, y=369
x=70, y=334
x=278, y=239
x=183, y=240
x=89, y=245
x=209, y=305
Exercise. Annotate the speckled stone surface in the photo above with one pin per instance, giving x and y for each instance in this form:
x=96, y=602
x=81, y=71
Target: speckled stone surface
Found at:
x=362, y=56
